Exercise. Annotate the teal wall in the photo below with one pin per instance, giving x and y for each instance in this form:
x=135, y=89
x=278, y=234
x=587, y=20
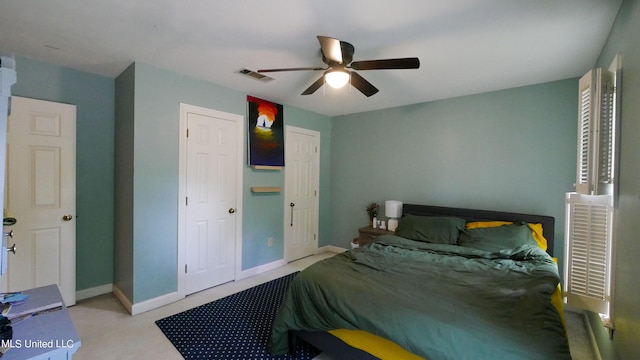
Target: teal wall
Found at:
x=157, y=96
x=447, y=149
x=626, y=307
x=123, y=188
x=144, y=177
x=262, y=210
x=93, y=96
x=512, y=150
x=506, y=150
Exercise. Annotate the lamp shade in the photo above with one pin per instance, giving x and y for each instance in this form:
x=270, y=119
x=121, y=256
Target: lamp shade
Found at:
x=393, y=209
x=337, y=78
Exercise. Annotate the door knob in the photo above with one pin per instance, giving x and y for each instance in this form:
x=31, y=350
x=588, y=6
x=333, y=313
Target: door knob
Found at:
x=9, y=234
x=12, y=249
x=67, y=217
x=232, y=210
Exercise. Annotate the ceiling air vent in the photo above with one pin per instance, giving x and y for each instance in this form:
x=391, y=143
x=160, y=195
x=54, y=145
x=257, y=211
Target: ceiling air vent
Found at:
x=254, y=75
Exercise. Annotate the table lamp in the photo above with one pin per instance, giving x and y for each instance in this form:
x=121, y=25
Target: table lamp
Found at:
x=393, y=210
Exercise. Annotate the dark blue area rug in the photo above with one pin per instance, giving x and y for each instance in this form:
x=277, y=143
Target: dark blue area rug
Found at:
x=234, y=327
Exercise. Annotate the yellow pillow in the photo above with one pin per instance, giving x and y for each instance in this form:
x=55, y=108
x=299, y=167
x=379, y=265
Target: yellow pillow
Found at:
x=556, y=301
x=373, y=344
x=486, y=224
x=536, y=230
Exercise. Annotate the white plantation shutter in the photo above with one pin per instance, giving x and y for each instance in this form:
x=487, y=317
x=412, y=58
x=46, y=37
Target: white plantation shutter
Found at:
x=595, y=170
x=590, y=210
x=584, y=134
x=588, y=251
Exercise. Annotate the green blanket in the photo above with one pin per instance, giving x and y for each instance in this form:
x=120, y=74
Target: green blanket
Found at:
x=437, y=301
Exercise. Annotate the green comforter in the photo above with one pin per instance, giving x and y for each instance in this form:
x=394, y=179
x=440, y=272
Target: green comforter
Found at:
x=437, y=301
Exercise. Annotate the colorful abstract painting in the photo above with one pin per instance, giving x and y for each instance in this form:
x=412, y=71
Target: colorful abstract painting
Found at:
x=266, y=133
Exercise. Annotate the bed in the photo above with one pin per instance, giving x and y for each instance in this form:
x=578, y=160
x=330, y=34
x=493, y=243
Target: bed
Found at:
x=452, y=283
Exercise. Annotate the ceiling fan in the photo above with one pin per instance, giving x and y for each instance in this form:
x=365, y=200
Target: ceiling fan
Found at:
x=338, y=55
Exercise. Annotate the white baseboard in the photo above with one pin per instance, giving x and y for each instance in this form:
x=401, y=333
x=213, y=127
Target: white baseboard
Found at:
x=135, y=309
x=591, y=336
x=94, y=291
x=260, y=269
x=282, y=262
x=331, y=248
x=154, y=303
x=147, y=305
x=122, y=298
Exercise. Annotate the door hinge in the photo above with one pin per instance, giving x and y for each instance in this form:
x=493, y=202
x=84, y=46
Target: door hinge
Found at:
x=186, y=200
x=314, y=236
x=315, y=192
x=316, y=149
x=185, y=268
x=187, y=132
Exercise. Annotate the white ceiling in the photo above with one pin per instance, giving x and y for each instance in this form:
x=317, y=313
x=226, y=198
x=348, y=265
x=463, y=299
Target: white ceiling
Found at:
x=465, y=46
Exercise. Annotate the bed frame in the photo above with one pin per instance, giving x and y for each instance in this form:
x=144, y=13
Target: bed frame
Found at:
x=337, y=348
x=548, y=222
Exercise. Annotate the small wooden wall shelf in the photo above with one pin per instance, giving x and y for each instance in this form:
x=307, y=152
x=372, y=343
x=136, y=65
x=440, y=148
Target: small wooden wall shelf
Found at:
x=266, y=167
x=266, y=189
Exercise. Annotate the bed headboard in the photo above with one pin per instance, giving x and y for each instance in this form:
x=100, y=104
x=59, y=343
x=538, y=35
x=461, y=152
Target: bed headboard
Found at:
x=548, y=222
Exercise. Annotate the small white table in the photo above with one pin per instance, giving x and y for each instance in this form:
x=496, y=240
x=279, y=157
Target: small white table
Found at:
x=48, y=336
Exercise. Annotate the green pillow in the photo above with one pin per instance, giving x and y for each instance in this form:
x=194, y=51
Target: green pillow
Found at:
x=494, y=239
x=433, y=229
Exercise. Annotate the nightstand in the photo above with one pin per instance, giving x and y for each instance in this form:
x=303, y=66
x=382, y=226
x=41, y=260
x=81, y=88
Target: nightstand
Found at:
x=368, y=233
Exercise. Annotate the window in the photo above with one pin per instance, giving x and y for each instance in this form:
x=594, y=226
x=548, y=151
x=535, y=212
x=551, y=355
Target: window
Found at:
x=590, y=210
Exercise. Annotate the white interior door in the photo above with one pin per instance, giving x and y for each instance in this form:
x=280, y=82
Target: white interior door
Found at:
x=302, y=173
x=213, y=155
x=41, y=194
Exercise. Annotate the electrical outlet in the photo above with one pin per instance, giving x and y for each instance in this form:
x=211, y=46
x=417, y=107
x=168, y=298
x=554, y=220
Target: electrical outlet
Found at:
x=270, y=242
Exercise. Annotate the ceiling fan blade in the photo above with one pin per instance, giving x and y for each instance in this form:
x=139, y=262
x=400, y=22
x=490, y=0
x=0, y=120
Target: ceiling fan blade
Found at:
x=315, y=86
x=331, y=49
x=401, y=63
x=363, y=85
x=291, y=69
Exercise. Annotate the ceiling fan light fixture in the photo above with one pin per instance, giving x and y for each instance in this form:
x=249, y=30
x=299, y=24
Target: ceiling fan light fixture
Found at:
x=336, y=78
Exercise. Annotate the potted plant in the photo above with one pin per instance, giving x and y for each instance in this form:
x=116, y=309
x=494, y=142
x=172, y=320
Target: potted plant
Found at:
x=372, y=211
